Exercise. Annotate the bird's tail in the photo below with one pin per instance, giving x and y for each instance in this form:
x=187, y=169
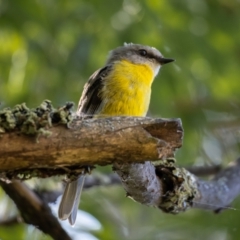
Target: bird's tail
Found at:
x=70, y=200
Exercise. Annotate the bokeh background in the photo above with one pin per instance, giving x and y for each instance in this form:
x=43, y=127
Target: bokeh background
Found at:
x=49, y=48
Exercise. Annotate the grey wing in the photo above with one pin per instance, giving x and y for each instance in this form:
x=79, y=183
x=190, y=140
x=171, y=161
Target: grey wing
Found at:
x=90, y=100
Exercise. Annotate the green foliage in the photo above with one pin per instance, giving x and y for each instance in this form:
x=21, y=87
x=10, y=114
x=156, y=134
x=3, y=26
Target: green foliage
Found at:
x=10, y=232
x=48, y=49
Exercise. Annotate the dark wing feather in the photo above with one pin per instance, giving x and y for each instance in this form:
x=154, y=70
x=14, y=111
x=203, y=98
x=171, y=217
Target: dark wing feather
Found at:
x=90, y=100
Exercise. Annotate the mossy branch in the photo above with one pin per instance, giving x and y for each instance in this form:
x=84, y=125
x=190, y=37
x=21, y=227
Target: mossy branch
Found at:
x=45, y=141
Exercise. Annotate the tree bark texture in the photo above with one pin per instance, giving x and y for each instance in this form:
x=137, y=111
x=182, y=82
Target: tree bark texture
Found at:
x=90, y=142
x=174, y=189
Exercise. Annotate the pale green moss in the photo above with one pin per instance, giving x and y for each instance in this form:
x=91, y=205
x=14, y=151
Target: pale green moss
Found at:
x=181, y=184
x=34, y=121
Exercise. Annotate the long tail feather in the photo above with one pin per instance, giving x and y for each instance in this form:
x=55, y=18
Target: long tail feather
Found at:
x=73, y=215
x=70, y=200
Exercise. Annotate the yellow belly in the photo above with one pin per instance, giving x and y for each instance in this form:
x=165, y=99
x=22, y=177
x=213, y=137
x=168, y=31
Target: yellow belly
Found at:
x=127, y=90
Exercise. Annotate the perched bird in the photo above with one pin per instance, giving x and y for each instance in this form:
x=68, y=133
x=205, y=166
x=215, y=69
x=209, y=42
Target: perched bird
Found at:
x=121, y=88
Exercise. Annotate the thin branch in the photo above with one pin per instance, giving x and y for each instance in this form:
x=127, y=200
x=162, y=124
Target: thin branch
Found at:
x=204, y=170
x=33, y=210
x=101, y=180
x=93, y=180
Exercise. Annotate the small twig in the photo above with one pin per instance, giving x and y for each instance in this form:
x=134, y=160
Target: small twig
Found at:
x=204, y=170
x=33, y=210
x=90, y=181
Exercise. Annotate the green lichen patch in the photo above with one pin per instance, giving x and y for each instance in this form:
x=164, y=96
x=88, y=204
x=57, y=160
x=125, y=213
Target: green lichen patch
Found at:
x=72, y=173
x=180, y=187
x=34, y=121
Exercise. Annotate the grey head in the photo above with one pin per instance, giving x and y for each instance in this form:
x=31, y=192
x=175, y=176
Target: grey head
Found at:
x=138, y=54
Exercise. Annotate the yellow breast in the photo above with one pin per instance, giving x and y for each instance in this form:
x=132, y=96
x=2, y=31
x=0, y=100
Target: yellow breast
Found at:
x=127, y=90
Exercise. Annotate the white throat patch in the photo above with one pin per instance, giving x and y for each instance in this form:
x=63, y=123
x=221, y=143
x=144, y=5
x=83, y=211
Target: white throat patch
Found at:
x=156, y=70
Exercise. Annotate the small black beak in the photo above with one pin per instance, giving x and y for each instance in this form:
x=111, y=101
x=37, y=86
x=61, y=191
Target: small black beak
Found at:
x=163, y=60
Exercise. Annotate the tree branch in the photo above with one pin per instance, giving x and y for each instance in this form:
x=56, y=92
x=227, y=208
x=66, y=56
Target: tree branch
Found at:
x=204, y=170
x=174, y=189
x=33, y=210
x=221, y=190
x=126, y=143
x=89, y=142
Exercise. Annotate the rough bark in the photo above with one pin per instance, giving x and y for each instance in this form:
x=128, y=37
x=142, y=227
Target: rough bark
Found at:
x=174, y=189
x=89, y=142
x=219, y=192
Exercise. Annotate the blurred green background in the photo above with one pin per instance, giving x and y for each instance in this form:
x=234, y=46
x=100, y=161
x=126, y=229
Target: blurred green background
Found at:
x=49, y=48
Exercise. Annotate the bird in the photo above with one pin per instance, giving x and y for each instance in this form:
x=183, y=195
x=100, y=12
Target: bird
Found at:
x=121, y=88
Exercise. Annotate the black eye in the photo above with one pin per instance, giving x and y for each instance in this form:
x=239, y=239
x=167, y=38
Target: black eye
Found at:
x=143, y=52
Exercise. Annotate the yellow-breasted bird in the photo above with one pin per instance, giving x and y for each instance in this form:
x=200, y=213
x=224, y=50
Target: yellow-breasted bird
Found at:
x=121, y=88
